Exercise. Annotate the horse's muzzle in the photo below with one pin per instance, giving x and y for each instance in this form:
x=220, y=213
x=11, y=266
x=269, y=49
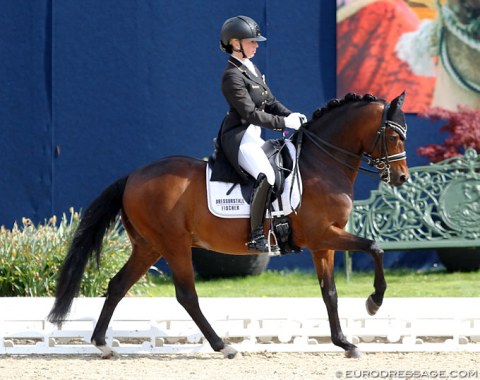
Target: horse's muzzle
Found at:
x=398, y=179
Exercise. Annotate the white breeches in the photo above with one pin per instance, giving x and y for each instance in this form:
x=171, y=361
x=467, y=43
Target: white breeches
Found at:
x=252, y=158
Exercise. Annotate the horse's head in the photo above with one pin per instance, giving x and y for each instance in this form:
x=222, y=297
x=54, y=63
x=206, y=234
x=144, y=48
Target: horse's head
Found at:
x=388, y=149
x=363, y=128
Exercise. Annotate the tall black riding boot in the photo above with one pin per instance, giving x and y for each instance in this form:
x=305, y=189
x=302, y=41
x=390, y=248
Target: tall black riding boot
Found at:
x=260, y=200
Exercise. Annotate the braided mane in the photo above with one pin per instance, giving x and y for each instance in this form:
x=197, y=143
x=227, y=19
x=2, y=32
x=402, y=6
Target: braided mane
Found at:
x=334, y=103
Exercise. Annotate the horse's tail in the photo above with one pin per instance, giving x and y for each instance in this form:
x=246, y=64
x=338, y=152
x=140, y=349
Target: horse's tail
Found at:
x=86, y=242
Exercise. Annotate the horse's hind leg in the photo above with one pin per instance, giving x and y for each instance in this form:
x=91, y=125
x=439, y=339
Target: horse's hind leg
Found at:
x=140, y=261
x=184, y=280
x=323, y=261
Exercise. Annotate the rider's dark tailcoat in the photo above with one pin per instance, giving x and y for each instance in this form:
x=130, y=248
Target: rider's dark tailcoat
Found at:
x=251, y=102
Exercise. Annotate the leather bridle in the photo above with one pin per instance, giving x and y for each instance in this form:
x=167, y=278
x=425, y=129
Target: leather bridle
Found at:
x=382, y=163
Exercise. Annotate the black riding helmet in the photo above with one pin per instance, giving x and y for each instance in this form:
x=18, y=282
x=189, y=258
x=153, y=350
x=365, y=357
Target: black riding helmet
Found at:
x=241, y=28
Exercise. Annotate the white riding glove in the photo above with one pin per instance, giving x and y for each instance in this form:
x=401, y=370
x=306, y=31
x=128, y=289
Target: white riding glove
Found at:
x=303, y=118
x=295, y=120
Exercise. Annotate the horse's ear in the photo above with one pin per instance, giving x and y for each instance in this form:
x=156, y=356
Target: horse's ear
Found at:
x=395, y=112
x=398, y=101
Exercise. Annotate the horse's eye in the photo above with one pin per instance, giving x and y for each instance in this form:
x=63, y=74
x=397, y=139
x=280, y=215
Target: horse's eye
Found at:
x=393, y=138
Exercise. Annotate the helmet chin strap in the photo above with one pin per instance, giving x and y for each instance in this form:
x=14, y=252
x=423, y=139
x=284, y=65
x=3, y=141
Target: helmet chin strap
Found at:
x=240, y=50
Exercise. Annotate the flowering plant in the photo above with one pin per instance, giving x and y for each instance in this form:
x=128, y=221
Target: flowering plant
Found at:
x=463, y=127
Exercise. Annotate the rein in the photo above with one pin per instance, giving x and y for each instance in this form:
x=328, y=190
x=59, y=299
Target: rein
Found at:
x=382, y=163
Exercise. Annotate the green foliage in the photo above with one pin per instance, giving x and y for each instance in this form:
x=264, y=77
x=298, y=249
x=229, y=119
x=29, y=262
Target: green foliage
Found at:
x=31, y=256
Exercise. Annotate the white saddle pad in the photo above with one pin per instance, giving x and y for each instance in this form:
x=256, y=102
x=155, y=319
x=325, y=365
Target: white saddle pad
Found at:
x=234, y=206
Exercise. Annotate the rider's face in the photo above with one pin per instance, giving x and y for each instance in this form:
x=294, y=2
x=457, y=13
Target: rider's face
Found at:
x=249, y=47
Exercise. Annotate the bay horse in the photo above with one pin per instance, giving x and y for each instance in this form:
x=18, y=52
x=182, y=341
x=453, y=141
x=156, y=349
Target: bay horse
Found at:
x=164, y=210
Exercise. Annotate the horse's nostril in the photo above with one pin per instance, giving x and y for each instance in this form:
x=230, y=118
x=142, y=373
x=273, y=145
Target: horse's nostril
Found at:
x=403, y=178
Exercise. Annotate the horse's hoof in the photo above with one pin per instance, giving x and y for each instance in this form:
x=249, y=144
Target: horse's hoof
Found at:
x=372, y=307
x=107, y=352
x=229, y=352
x=354, y=353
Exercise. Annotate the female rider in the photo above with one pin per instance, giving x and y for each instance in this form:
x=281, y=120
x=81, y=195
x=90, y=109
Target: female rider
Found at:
x=252, y=107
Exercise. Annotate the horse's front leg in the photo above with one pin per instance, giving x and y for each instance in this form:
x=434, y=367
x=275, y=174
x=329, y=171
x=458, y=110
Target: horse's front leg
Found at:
x=339, y=239
x=323, y=261
x=376, y=298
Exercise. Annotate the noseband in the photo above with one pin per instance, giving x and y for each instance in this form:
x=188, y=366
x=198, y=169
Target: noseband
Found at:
x=382, y=163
